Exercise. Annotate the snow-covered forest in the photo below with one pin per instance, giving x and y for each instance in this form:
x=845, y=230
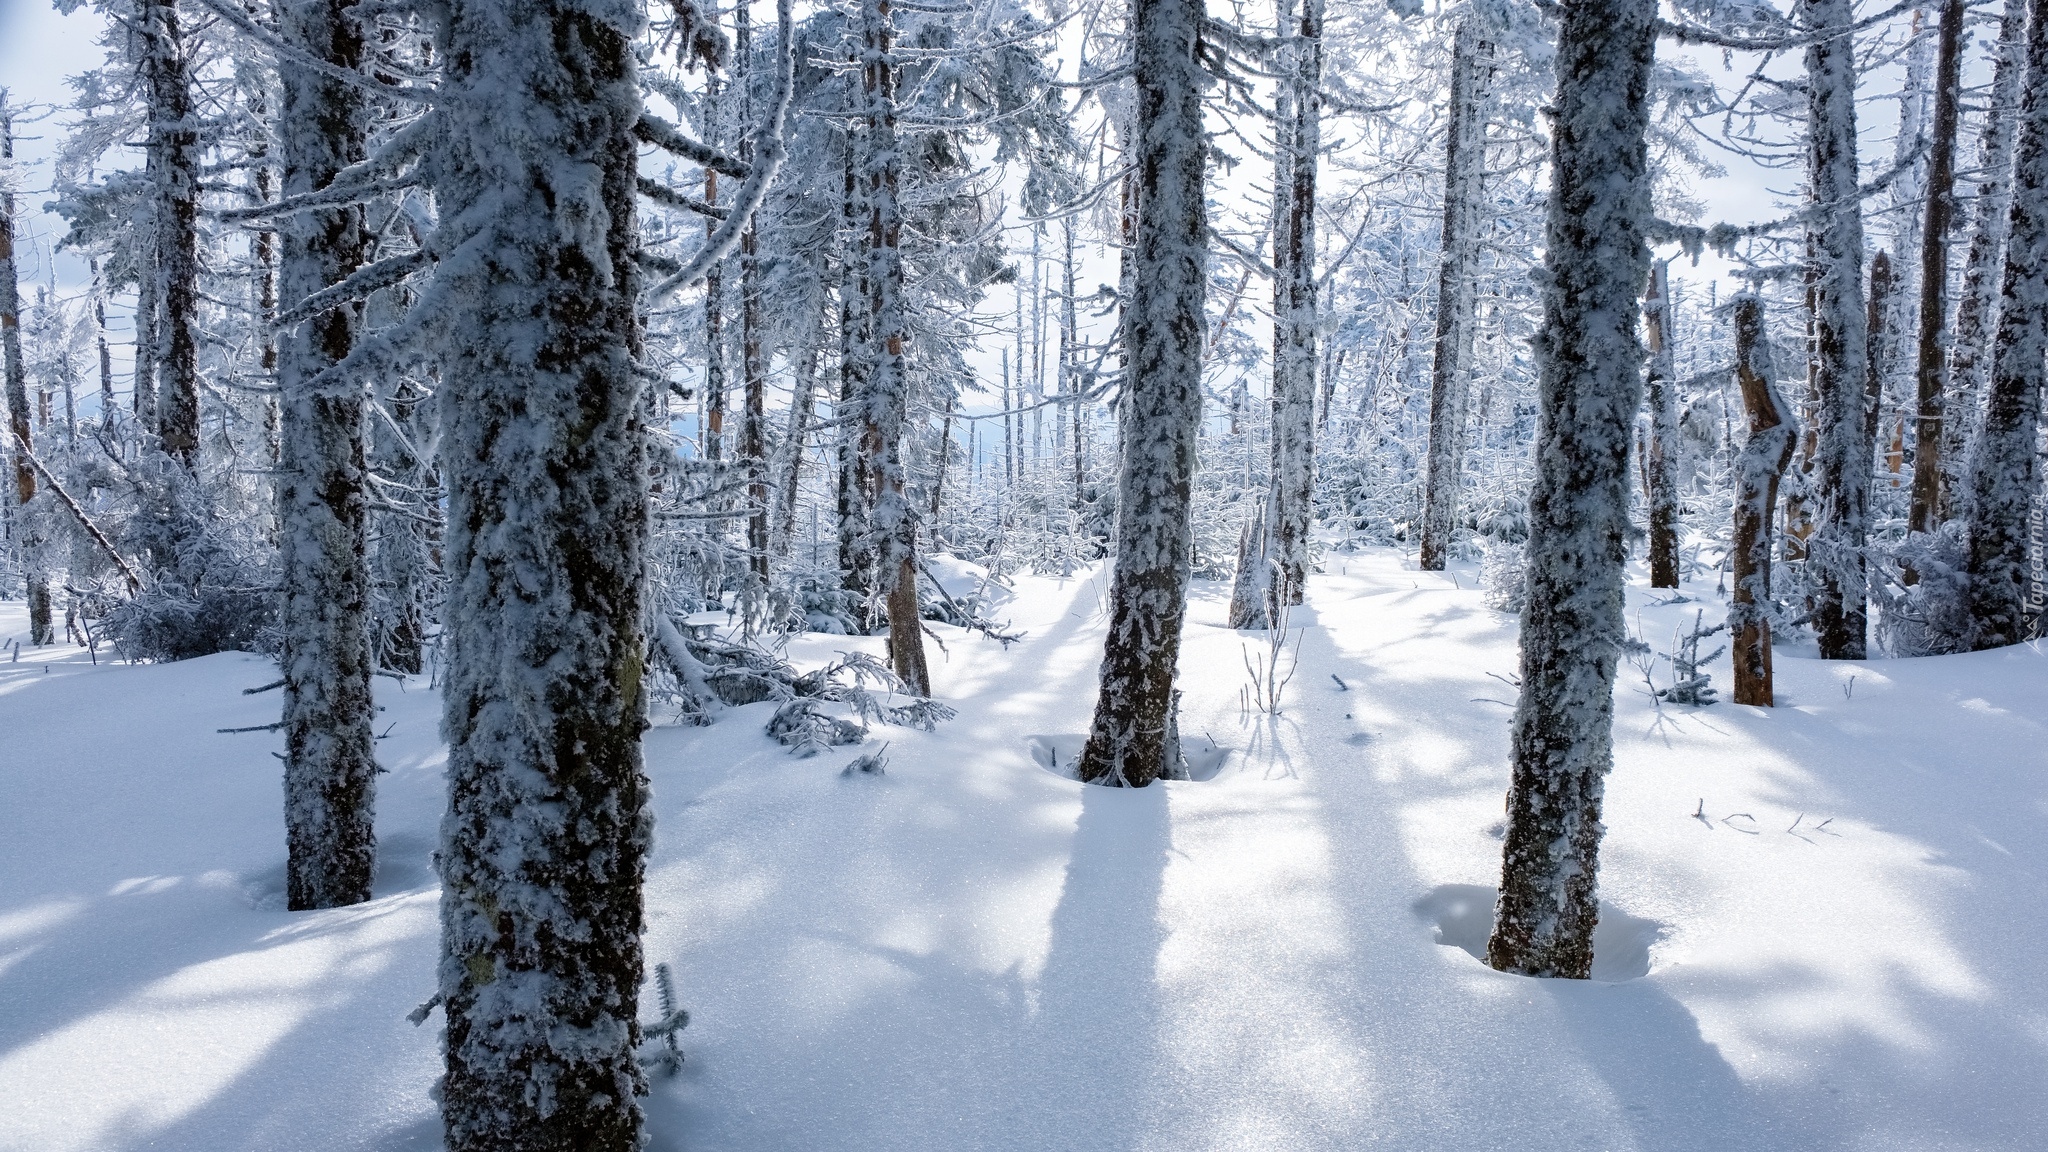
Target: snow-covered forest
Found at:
x=1023, y=574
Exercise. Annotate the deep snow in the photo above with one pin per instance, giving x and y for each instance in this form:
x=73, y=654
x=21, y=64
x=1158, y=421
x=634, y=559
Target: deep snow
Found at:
x=972, y=951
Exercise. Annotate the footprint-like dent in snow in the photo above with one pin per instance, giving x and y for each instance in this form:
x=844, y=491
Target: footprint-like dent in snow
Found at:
x=1058, y=754
x=1462, y=915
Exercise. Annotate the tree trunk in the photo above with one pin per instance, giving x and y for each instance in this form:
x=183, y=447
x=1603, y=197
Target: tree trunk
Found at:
x=1931, y=366
x=1660, y=461
x=329, y=767
x=543, y=847
x=1294, y=292
x=856, y=556
x=753, y=357
x=1843, y=455
x=894, y=522
x=1589, y=370
x=1127, y=739
x=1762, y=461
x=174, y=145
x=1457, y=273
x=2005, y=474
x=40, y=629
x=801, y=403
x=1976, y=311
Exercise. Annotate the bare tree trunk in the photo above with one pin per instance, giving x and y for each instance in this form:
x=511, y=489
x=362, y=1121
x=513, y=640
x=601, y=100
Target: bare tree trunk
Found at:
x=543, y=846
x=1762, y=461
x=1660, y=460
x=1457, y=274
x=1127, y=740
x=2005, y=470
x=329, y=769
x=1931, y=371
x=1589, y=365
x=1842, y=457
x=40, y=629
x=894, y=521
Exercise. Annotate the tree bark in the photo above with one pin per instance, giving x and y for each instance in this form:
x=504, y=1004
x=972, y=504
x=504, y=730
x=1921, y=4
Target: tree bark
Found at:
x=1843, y=455
x=329, y=767
x=1976, y=312
x=1758, y=467
x=893, y=521
x=1589, y=371
x=856, y=557
x=1931, y=366
x=1294, y=292
x=1660, y=460
x=1127, y=740
x=174, y=192
x=40, y=629
x=1457, y=273
x=543, y=847
x=753, y=357
x=2005, y=477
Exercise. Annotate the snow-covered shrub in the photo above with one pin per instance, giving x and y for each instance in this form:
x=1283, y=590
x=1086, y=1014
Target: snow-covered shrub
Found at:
x=1501, y=578
x=212, y=573
x=1931, y=616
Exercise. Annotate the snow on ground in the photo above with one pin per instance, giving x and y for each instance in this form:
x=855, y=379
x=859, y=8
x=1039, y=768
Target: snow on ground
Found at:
x=1840, y=904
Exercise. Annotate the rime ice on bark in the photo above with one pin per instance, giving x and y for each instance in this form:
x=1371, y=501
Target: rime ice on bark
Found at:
x=1164, y=332
x=1842, y=453
x=1464, y=175
x=1589, y=363
x=23, y=488
x=543, y=845
x=1977, y=309
x=1299, y=126
x=2004, y=465
x=330, y=770
x=173, y=150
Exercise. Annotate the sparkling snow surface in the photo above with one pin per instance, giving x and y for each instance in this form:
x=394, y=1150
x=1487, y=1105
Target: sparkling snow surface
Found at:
x=1845, y=950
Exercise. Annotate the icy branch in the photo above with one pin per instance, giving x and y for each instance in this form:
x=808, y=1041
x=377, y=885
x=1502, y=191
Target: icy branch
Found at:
x=669, y=138
x=299, y=57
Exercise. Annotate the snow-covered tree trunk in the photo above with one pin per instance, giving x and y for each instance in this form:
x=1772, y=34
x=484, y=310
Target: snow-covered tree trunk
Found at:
x=1763, y=460
x=1457, y=275
x=329, y=767
x=856, y=548
x=543, y=845
x=402, y=564
x=1589, y=371
x=1931, y=364
x=802, y=402
x=1163, y=408
x=1842, y=454
x=174, y=216
x=893, y=522
x=40, y=629
x=1977, y=310
x=753, y=356
x=1299, y=127
x=1660, y=459
x=2005, y=472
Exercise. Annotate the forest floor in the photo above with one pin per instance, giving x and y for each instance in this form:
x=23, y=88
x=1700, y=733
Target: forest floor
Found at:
x=1824, y=924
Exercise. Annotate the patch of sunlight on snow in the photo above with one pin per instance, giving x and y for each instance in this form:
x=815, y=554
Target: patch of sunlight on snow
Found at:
x=1253, y=973
x=37, y=918
x=144, y=885
x=1979, y=704
x=115, y=1076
